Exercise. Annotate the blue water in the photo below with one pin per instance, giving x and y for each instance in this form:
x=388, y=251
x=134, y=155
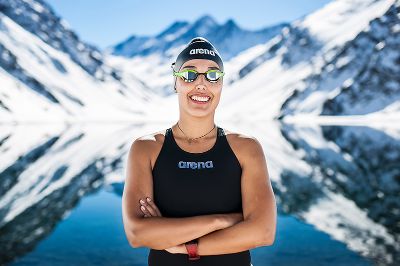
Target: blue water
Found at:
x=93, y=234
x=297, y=243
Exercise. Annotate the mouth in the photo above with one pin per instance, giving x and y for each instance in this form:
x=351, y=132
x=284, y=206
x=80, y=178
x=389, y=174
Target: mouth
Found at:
x=200, y=99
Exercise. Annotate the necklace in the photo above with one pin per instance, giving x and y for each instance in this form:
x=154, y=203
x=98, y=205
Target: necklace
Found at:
x=191, y=139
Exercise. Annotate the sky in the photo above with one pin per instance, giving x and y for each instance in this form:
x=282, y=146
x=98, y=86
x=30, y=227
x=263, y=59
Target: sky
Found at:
x=104, y=23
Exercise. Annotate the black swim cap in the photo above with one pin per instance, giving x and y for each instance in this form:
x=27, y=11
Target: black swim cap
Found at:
x=198, y=48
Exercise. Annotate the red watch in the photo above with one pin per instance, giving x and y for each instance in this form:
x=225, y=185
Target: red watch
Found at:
x=191, y=248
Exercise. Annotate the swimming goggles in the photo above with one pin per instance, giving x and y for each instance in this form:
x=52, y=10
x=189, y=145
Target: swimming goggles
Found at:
x=190, y=75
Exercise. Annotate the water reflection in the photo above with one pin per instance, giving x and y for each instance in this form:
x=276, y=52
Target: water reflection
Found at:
x=357, y=170
x=343, y=181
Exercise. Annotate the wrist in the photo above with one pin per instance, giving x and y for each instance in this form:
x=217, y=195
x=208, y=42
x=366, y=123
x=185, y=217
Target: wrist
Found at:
x=218, y=222
x=221, y=222
x=183, y=249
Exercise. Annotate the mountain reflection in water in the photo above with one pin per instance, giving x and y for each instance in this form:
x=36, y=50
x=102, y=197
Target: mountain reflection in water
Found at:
x=336, y=187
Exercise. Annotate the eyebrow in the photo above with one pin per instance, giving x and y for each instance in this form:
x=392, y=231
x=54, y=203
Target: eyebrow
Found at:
x=195, y=67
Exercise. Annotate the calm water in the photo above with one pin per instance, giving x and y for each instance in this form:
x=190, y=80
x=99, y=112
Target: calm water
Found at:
x=337, y=191
x=93, y=234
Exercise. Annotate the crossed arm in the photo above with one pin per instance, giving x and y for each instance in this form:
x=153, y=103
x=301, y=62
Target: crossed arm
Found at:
x=217, y=233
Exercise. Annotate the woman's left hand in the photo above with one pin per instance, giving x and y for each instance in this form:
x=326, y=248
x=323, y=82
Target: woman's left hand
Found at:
x=150, y=209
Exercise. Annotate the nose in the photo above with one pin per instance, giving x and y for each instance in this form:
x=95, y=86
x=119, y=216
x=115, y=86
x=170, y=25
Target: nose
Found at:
x=201, y=81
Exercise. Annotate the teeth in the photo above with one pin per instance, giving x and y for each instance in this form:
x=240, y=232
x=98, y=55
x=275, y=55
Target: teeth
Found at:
x=200, y=98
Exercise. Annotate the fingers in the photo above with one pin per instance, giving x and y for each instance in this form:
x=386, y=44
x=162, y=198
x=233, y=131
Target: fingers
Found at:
x=145, y=211
x=153, y=205
x=149, y=208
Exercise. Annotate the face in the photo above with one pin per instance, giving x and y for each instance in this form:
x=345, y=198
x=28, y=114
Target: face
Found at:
x=201, y=86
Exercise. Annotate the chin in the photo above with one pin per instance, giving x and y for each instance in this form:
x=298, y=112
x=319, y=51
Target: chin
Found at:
x=199, y=113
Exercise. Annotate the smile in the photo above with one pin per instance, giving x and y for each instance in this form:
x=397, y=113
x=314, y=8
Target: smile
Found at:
x=200, y=99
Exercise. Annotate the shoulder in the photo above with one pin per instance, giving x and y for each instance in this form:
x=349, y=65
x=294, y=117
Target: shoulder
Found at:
x=244, y=146
x=149, y=142
x=239, y=139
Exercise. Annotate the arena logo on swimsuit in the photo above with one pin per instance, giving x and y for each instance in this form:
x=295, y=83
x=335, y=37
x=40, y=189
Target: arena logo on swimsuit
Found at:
x=196, y=165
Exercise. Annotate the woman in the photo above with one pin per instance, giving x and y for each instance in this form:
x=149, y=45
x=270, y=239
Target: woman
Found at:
x=195, y=193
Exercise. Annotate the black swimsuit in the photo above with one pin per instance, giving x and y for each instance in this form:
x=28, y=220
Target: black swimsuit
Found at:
x=189, y=184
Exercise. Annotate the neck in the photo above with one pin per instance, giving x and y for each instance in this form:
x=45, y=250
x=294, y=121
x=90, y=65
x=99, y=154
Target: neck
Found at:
x=195, y=127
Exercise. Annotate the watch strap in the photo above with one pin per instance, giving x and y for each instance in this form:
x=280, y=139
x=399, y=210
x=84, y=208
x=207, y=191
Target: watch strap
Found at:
x=192, y=249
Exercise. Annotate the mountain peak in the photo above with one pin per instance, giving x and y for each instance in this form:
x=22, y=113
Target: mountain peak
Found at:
x=180, y=32
x=230, y=23
x=173, y=28
x=206, y=19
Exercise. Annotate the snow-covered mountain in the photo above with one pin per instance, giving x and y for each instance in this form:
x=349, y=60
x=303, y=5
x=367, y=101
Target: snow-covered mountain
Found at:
x=304, y=71
x=315, y=59
x=228, y=37
x=362, y=77
x=335, y=61
x=38, y=18
x=149, y=58
x=48, y=74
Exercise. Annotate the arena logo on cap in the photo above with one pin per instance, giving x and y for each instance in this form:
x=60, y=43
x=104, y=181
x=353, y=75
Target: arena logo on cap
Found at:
x=202, y=51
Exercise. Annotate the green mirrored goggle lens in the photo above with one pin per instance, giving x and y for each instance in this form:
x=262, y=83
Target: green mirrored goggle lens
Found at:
x=190, y=75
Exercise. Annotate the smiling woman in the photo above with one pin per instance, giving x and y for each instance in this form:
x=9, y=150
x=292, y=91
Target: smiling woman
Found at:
x=196, y=191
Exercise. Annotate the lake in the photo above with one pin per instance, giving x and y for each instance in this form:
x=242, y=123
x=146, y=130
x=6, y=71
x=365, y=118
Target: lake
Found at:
x=337, y=190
